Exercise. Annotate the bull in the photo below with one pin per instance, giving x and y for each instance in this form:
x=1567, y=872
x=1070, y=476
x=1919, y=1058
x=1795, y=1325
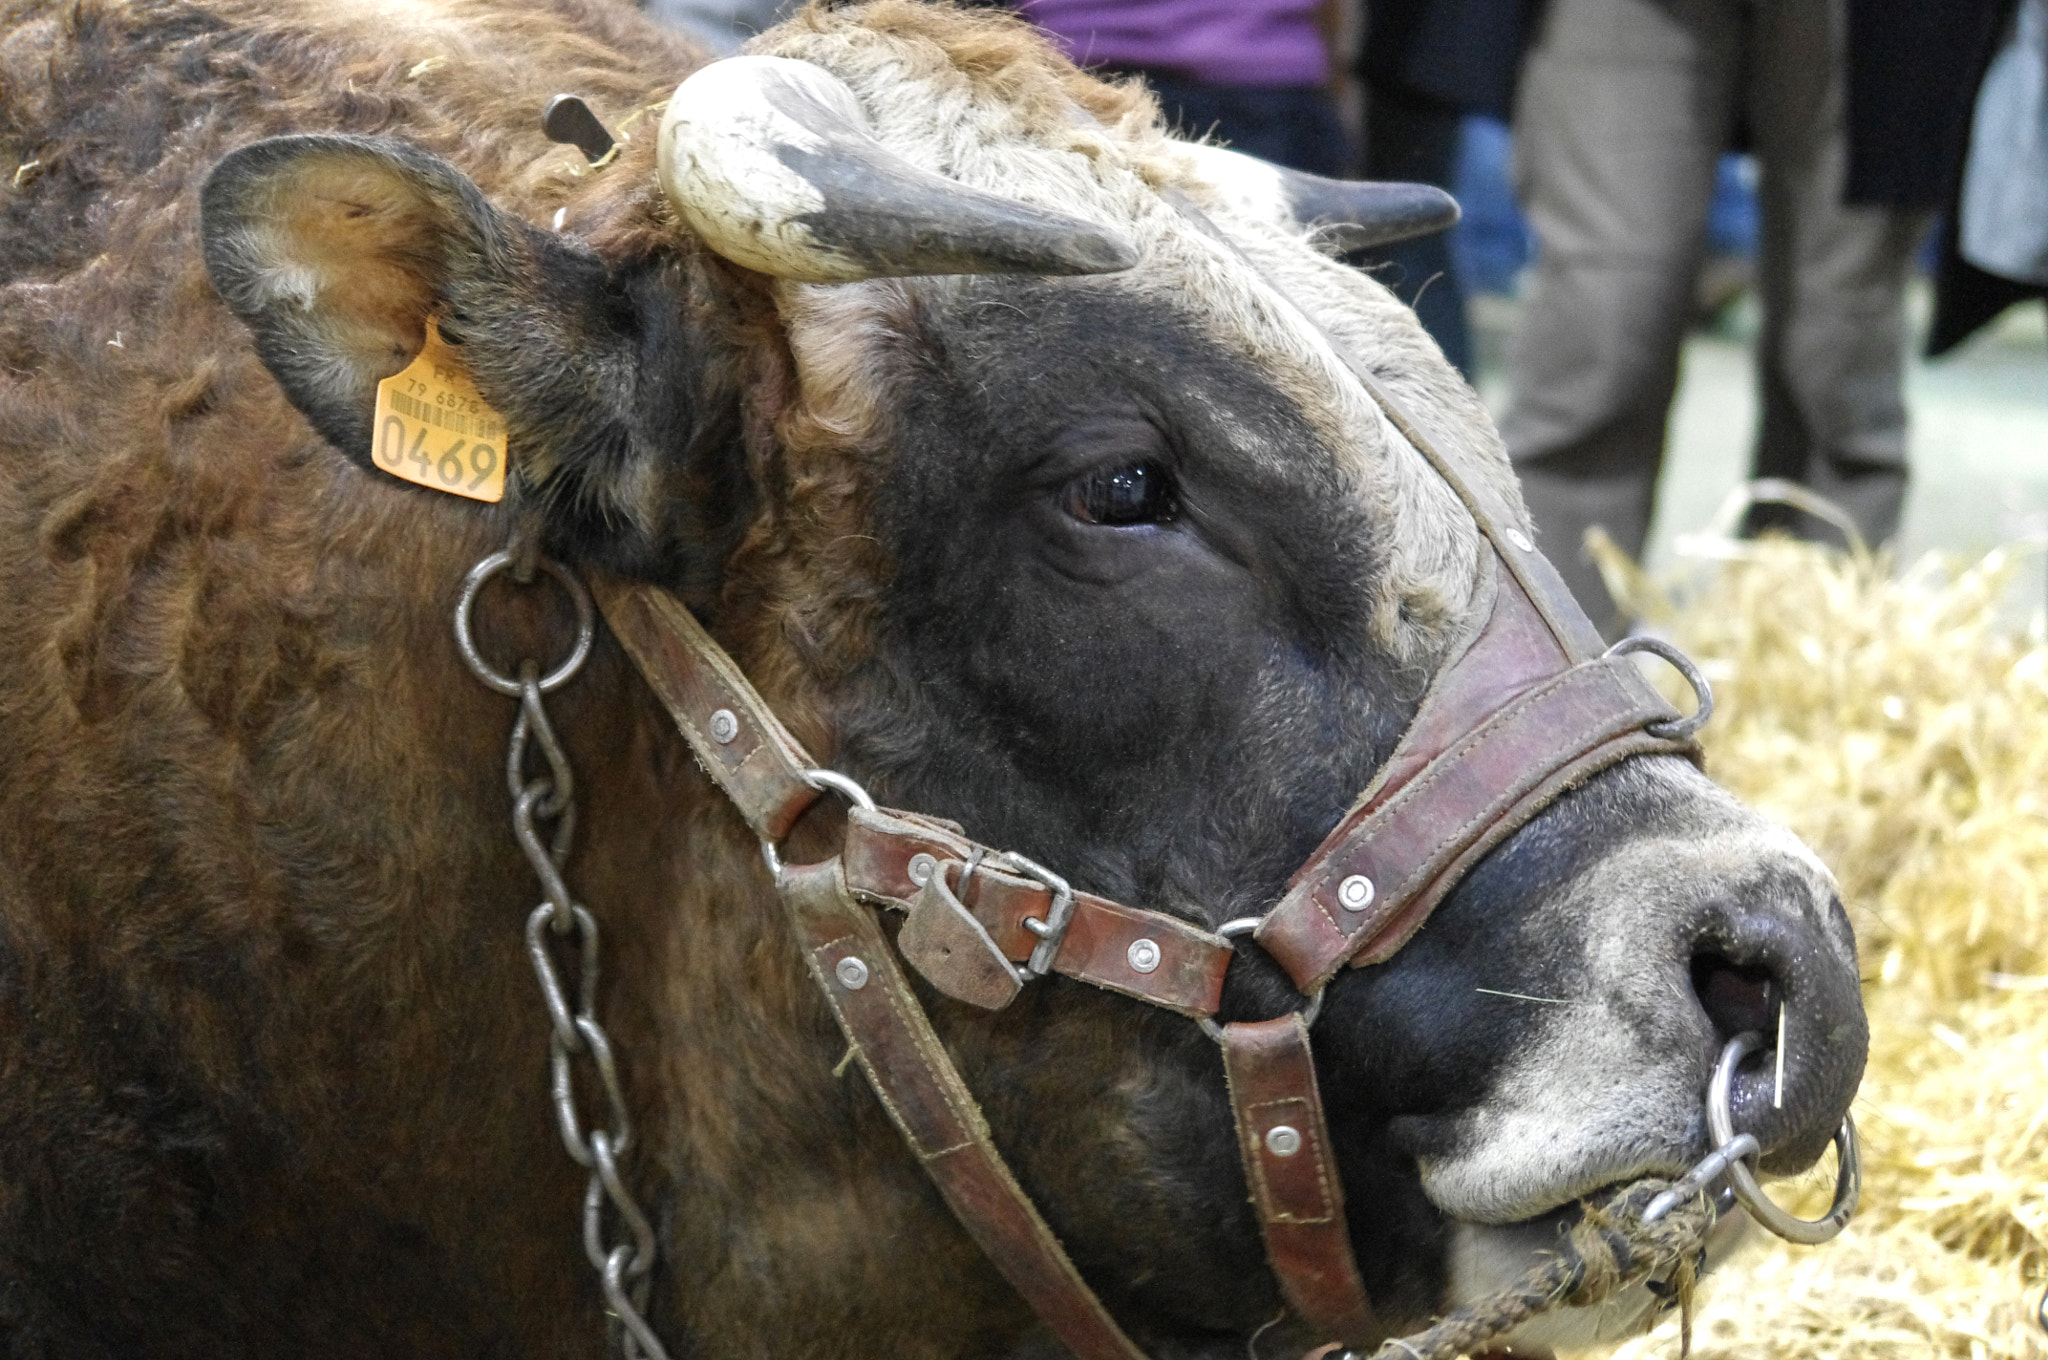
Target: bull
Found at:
x=1033, y=466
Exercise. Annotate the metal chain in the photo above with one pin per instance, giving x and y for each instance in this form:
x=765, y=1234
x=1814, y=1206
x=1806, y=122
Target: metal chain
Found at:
x=543, y=788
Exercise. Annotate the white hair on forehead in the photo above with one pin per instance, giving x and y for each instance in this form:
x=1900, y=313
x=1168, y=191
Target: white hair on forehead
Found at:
x=1264, y=291
x=1290, y=310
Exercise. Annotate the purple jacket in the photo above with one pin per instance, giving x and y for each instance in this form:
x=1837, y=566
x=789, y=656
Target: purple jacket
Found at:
x=1223, y=42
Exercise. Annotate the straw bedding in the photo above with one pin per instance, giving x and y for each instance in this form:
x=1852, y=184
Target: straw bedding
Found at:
x=1900, y=724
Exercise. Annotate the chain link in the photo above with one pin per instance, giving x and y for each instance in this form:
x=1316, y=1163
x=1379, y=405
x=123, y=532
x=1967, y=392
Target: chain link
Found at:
x=561, y=930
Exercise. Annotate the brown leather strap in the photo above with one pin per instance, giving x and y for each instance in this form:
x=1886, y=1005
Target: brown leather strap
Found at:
x=1292, y=1172
x=761, y=768
x=759, y=765
x=1450, y=452
x=931, y=1106
x=1505, y=729
x=1105, y=941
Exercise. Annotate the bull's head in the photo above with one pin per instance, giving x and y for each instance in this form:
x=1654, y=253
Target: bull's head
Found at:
x=1008, y=445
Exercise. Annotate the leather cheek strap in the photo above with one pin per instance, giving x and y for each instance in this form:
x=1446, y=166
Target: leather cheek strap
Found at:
x=762, y=769
x=754, y=760
x=1292, y=1173
x=930, y=1105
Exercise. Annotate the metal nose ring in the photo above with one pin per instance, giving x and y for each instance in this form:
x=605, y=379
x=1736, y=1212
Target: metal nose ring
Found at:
x=1848, y=1171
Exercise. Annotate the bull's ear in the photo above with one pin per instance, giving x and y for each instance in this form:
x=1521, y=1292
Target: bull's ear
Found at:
x=336, y=250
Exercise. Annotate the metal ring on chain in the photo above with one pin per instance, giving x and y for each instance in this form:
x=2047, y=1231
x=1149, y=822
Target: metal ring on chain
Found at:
x=1848, y=1169
x=1245, y=925
x=575, y=1034
x=1674, y=729
x=465, y=641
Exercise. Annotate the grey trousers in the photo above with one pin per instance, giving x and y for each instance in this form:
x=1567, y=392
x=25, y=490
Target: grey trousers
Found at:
x=1624, y=107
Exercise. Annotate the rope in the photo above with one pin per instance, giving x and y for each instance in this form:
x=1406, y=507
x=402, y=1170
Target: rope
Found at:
x=1610, y=1247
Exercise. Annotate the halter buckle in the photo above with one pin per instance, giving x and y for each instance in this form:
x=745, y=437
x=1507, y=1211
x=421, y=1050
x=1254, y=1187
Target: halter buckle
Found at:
x=1052, y=931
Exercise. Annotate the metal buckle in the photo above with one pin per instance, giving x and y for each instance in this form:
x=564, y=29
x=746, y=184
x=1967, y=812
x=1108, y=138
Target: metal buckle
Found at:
x=1245, y=925
x=818, y=779
x=1052, y=931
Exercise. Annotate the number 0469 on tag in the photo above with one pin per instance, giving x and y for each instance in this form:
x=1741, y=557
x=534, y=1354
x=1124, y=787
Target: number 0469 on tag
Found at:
x=434, y=428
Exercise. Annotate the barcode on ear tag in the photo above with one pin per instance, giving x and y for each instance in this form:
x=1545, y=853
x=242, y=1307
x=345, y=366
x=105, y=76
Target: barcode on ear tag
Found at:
x=434, y=428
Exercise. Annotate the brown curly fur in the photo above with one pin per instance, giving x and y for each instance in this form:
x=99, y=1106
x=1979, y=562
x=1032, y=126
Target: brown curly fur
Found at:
x=271, y=1058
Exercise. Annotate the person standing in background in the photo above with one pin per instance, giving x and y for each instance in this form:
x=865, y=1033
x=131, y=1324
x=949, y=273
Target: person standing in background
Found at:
x=2001, y=196
x=1257, y=75
x=1254, y=74
x=1423, y=66
x=1855, y=110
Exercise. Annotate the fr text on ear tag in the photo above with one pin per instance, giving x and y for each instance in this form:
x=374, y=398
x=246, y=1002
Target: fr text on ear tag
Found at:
x=434, y=428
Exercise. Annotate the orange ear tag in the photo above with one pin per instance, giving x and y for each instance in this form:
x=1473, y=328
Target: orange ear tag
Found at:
x=435, y=428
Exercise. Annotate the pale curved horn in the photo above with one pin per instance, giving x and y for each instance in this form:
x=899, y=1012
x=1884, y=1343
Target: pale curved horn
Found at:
x=1357, y=213
x=771, y=162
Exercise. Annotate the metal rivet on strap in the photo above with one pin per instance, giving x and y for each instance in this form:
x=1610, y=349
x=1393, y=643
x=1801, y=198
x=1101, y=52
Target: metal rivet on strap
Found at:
x=852, y=973
x=921, y=866
x=1355, y=893
x=725, y=725
x=1520, y=540
x=1283, y=1140
x=1144, y=955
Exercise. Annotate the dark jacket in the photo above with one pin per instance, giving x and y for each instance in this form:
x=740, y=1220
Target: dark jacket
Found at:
x=1966, y=297
x=1913, y=72
x=1461, y=54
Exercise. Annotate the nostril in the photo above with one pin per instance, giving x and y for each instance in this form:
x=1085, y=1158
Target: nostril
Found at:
x=1736, y=997
x=1756, y=967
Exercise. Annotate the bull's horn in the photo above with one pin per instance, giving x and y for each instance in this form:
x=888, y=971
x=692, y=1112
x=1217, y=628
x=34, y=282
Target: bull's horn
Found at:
x=1357, y=213
x=771, y=162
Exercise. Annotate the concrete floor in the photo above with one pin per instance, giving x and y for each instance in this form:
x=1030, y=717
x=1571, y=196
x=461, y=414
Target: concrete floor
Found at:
x=1979, y=433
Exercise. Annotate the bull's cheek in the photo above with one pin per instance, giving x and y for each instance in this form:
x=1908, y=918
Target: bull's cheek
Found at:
x=1588, y=1104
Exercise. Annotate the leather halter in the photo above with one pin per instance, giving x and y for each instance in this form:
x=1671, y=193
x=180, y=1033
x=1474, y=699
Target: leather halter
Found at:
x=1526, y=706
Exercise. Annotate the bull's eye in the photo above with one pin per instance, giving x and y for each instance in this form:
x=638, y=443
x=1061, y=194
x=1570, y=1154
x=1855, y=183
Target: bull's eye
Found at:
x=1135, y=493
